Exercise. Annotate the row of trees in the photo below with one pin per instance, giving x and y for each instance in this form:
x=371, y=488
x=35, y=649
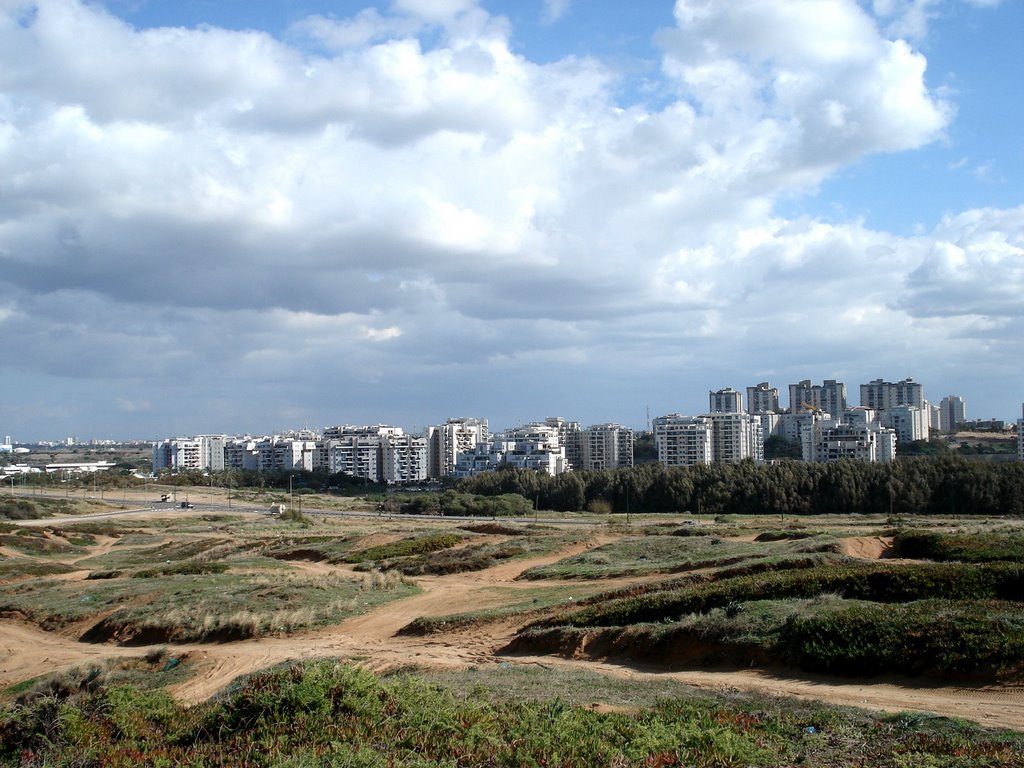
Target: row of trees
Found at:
x=948, y=485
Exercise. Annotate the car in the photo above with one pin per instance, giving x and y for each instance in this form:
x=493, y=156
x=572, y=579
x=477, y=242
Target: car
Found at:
x=186, y=505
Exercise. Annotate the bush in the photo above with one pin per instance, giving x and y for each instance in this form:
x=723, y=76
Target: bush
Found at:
x=886, y=583
x=967, y=548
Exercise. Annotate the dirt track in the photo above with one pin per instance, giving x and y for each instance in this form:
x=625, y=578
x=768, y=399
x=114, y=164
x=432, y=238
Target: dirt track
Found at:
x=370, y=639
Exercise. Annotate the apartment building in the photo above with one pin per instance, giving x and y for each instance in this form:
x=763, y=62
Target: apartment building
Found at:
x=910, y=422
x=735, y=437
x=404, y=458
x=835, y=441
x=605, y=446
x=683, y=441
x=762, y=399
x=883, y=395
x=952, y=413
x=571, y=437
x=450, y=439
x=726, y=400
x=536, y=447
x=828, y=397
x=201, y=452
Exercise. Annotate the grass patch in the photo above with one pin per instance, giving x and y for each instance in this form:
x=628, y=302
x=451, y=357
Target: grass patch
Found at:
x=35, y=542
x=649, y=555
x=961, y=547
x=220, y=607
x=17, y=568
x=329, y=714
x=879, y=582
x=419, y=545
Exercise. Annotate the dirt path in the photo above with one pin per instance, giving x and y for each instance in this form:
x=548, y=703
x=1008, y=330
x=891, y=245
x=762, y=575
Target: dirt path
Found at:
x=867, y=547
x=992, y=706
x=370, y=640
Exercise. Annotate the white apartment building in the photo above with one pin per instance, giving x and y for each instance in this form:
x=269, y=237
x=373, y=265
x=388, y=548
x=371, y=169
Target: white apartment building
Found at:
x=241, y=453
x=683, y=441
x=795, y=425
x=952, y=413
x=276, y=453
x=771, y=424
x=835, y=441
x=910, y=422
x=571, y=437
x=181, y=453
x=536, y=447
x=762, y=399
x=828, y=397
x=356, y=456
x=735, y=437
x=605, y=446
x=358, y=450
x=450, y=439
x=726, y=400
x=405, y=458
x=883, y=395
x=533, y=446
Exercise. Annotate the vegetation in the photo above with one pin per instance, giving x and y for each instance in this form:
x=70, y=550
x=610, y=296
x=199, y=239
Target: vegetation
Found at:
x=452, y=504
x=948, y=485
x=967, y=548
x=327, y=714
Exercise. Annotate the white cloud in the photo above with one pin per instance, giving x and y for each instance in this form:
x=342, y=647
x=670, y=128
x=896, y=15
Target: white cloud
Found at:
x=555, y=10
x=207, y=204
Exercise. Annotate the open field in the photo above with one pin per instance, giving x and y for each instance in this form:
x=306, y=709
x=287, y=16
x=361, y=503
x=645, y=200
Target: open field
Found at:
x=730, y=617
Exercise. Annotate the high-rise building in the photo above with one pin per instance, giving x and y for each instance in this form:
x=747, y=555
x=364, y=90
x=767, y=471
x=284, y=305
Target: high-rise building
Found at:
x=725, y=438
x=883, y=395
x=735, y=437
x=952, y=413
x=606, y=446
x=726, y=400
x=762, y=399
x=358, y=451
x=835, y=441
x=450, y=439
x=404, y=458
x=571, y=437
x=909, y=422
x=828, y=397
x=683, y=441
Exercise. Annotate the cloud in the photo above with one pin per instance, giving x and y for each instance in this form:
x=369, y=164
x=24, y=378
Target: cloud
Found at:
x=401, y=193
x=555, y=10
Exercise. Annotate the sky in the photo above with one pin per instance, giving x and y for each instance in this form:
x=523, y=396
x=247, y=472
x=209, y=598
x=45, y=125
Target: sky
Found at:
x=228, y=216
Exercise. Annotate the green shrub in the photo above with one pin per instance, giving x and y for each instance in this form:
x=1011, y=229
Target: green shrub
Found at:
x=927, y=637
x=405, y=548
x=967, y=548
x=879, y=582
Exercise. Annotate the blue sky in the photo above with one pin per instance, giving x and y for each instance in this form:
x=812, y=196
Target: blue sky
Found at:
x=241, y=217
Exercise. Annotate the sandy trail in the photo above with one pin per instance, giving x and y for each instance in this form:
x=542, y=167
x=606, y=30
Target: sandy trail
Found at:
x=867, y=547
x=370, y=640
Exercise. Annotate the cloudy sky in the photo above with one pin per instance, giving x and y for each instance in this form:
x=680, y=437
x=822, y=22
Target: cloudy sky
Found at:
x=226, y=215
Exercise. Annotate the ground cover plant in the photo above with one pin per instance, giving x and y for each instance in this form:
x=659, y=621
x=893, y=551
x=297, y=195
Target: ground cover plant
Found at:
x=194, y=605
x=979, y=547
x=926, y=618
x=325, y=713
x=417, y=545
x=487, y=552
x=657, y=554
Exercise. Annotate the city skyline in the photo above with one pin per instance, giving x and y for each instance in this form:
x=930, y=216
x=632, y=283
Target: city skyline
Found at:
x=235, y=216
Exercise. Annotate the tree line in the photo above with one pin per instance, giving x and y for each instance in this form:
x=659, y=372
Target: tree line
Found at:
x=948, y=485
